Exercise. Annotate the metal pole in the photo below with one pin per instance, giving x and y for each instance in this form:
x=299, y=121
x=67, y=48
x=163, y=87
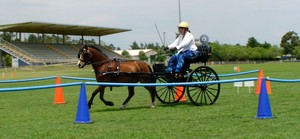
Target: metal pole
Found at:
x=179, y=9
x=63, y=39
x=99, y=40
x=159, y=34
x=0, y=58
x=43, y=37
x=164, y=38
x=20, y=36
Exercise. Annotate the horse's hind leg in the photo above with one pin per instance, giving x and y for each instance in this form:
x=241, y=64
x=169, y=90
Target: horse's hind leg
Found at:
x=152, y=91
x=130, y=95
x=107, y=103
x=90, y=103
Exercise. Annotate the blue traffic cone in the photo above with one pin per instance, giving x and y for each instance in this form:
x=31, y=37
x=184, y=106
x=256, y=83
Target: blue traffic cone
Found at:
x=264, y=108
x=83, y=114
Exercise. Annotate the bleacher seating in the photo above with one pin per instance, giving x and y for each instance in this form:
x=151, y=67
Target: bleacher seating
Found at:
x=38, y=50
x=57, y=53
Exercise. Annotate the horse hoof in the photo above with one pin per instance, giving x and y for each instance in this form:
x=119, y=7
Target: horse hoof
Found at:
x=123, y=106
x=109, y=103
x=153, y=105
x=90, y=105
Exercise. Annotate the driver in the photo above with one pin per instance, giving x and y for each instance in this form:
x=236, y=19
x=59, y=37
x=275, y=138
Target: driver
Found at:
x=185, y=44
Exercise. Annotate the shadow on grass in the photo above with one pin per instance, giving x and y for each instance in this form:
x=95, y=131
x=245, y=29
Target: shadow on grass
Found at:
x=126, y=109
x=179, y=104
x=176, y=104
x=184, y=104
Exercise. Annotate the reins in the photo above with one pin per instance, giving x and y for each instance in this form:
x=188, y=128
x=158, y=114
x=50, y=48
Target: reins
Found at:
x=100, y=63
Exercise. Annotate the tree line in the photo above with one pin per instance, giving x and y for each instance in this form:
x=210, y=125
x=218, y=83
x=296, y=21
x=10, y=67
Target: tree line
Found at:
x=252, y=51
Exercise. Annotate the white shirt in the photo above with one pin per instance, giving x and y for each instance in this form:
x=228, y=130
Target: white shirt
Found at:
x=184, y=43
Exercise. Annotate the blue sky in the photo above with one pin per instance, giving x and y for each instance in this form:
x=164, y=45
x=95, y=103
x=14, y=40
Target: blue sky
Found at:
x=228, y=21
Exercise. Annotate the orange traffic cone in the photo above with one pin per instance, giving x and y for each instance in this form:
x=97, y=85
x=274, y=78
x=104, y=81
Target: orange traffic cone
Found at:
x=258, y=86
x=179, y=92
x=238, y=69
x=12, y=75
x=268, y=84
x=59, y=96
x=3, y=75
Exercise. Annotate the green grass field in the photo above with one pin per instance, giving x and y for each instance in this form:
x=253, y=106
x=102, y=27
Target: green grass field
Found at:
x=32, y=114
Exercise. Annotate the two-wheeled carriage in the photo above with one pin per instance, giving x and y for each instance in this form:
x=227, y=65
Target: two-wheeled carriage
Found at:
x=201, y=94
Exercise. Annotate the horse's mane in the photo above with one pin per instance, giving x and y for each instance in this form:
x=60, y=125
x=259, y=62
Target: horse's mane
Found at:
x=96, y=48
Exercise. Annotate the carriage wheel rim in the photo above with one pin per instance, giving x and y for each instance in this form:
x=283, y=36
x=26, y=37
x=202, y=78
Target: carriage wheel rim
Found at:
x=204, y=94
x=167, y=94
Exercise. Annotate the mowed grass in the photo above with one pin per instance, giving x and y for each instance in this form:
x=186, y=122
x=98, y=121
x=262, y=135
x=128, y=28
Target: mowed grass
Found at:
x=32, y=114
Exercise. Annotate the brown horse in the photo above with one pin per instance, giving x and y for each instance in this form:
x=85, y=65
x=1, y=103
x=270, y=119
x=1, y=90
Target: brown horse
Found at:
x=113, y=70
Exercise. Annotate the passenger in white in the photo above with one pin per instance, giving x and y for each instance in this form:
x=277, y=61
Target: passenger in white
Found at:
x=185, y=44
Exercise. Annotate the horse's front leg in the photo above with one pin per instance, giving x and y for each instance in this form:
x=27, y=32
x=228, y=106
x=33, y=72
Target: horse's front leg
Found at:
x=107, y=103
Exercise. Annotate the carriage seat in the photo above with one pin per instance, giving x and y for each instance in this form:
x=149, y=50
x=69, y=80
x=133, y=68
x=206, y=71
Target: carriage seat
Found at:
x=202, y=54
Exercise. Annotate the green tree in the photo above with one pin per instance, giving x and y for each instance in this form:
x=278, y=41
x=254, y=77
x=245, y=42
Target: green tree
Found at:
x=32, y=39
x=266, y=45
x=126, y=54
x=296, y=52
x=6, y=59
x=92, y=41
x=160, y=56
x=8, y=36
x=143, y=56
x=142, y=46
x=134, y=46
x=289, y=41
x=252, y=42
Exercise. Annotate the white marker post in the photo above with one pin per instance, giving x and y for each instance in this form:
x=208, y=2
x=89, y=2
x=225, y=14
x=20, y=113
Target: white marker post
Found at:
x=234, y=69
x=249, y=84
x=238, y=85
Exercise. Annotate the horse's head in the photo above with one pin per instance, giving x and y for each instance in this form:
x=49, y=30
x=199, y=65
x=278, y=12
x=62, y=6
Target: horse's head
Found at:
x=85, y=57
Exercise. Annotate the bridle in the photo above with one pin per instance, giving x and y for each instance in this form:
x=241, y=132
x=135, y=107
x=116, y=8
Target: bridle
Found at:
x=85, y=52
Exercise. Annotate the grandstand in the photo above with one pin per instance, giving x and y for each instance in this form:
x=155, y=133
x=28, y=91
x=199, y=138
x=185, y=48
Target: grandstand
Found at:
x=43, y=53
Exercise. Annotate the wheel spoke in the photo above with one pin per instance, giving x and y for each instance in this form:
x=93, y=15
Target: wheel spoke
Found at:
x=177, y=93
x=198, y=77
x=202, y=76
x=201, y=98
x=167, y=92
x=161, y=81
x=163, y=92
x=212, y=88
x=208, y=77
x=160, y=89
x=195, y=88
x=173, y=91
x=208, y=97
x=170, y=91
x=195, y=93
x=211, y=93
x=199, y=94
x=205, y=97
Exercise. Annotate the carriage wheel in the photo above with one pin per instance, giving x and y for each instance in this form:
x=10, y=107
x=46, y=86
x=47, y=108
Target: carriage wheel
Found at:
x=203, y=94
x=168, y=94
